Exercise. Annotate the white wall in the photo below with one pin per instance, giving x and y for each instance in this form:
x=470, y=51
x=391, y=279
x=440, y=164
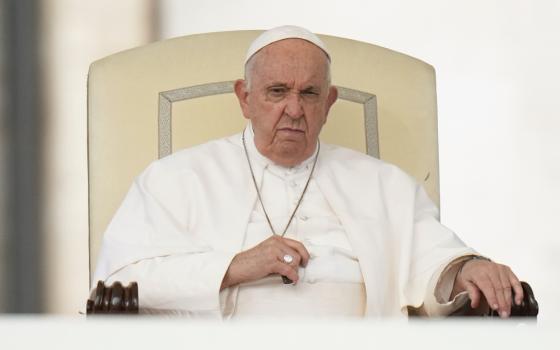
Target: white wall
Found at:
x=497, y=76
x=74, y=34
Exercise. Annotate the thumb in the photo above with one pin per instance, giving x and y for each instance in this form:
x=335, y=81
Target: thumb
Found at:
x=474, y=294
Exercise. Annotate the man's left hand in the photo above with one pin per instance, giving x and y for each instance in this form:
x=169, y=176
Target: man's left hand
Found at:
x=495, y=281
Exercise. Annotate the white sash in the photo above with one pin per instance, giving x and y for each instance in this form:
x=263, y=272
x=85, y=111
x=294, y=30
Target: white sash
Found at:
x=270, y=298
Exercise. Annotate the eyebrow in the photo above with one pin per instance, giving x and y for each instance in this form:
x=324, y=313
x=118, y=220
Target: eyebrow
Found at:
x=311, y=88
x=284, y=85
x=276, y=84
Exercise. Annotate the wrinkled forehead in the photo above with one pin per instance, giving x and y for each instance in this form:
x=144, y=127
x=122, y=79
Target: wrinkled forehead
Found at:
x=290, y=59
x=292, y=50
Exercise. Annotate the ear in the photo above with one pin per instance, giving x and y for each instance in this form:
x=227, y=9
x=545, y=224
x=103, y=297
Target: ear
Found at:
x=240, y=88
x=331, y=98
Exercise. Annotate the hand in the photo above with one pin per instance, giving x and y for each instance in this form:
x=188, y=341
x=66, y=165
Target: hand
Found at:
x=495, y=281
x=264, y=259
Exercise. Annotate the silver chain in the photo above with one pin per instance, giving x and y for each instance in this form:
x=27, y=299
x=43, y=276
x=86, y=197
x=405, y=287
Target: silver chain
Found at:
x=259, y=193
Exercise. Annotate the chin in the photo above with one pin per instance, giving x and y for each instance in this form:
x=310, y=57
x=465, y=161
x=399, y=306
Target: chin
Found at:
x=290, y=154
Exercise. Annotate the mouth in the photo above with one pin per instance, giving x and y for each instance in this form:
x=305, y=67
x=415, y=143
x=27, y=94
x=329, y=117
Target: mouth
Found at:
x=292, y=130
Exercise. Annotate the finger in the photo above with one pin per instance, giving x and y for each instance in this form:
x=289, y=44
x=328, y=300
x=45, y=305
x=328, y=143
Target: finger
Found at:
x=494, y=277
x=499, y=293
x=281, y=251
x=504, y=278
x=284, y=250
x=517, y=288
x=474, y=294
x=300, y=248
x=505, y=291
x=486, y=287
x=286, y=270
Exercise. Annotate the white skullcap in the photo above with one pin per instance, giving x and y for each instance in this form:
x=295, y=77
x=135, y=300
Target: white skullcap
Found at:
x=281, y=33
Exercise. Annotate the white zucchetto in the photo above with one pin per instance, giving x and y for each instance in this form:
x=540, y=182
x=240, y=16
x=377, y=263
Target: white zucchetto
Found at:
x=284, y=32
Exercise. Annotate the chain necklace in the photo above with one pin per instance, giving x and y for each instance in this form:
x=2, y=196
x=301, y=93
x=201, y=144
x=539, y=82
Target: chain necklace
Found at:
x=259, y=193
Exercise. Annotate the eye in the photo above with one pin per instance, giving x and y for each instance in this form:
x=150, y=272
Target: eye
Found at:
x=276, y=92
x=309, y=94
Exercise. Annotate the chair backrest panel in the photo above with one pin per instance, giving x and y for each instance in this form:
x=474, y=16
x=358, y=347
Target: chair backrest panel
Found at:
x=182, y=124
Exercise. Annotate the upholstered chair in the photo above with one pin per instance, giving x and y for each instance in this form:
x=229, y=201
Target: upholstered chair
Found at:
x=148, y=102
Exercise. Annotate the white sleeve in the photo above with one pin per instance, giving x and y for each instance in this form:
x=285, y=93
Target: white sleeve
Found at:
x=187, y=284
x=436, y=302
x=434, y=247
x=151, y=240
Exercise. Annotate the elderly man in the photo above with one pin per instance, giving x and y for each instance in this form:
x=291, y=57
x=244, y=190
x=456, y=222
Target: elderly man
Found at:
x=271, y=222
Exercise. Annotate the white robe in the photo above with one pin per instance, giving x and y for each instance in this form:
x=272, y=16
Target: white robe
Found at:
x=189, y=212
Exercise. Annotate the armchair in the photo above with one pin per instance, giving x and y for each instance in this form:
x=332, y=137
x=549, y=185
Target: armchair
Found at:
x=147, y=102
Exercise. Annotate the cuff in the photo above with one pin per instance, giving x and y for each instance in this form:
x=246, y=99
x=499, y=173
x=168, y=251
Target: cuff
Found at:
x=437, y=301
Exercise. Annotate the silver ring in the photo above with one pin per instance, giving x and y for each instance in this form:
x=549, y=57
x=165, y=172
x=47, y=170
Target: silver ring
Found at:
x=288, y=258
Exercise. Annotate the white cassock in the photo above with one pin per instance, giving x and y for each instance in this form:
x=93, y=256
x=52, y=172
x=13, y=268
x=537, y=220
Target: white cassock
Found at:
x=373, y=234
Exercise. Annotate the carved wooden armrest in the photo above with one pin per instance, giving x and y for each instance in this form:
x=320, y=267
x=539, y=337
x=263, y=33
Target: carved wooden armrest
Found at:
x=116, y=299
x=113, y=299
x=528, y=308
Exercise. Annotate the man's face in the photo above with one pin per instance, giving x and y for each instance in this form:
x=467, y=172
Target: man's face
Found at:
x=288, y=99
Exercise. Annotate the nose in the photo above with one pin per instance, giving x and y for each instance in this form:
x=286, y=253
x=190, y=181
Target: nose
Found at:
x=294, y=108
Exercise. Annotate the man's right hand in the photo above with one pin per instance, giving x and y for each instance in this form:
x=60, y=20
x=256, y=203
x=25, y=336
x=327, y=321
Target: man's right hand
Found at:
x=265, y=259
